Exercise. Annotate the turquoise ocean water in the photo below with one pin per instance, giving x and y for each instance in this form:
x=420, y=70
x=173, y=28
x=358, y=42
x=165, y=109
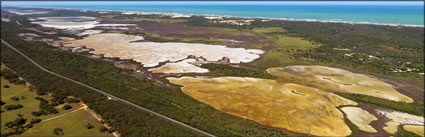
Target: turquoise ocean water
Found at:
x=390, y=13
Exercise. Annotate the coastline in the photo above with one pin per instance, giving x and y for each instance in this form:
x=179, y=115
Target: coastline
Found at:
x=228, y=16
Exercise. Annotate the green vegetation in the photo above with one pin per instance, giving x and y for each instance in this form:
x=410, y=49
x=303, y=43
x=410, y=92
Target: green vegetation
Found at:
x=412, y=108
x=66, y=107
x=103, y=129
x=404, y=133
x=354, y=129
x=291, y=43
x=159, y=38
x=141, y=19
x=71, y=100
x=58, y=131
x=403, y=44
x=89, y=126
x=105, y=76
x=35, y=121
x=73, y=124
x=12, y=107
x=14, y=98
x=220, y=70
x=25, y=114
x=284, y=47
x=26, y=106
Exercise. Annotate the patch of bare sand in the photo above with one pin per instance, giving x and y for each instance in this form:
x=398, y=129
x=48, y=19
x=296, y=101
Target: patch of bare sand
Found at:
x=339, y=80
x=419, y=130
x=271, y=103
x=360, y=118
x=185, y=66
x=150, y=54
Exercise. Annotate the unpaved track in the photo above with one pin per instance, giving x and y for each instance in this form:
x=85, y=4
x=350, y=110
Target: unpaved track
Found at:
x=83, y=107
x=109, y=95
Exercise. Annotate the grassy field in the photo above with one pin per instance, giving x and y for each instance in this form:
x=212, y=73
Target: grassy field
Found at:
x=27, y=99
x=30, y=104
x=283, y=46
x=158, y=38
x=70, y=125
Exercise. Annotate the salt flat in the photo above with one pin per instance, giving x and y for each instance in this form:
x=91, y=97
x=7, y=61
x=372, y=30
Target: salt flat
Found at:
x=400, y=118
x=340, y=80
x=419, y=130
x=360, y=118
x=150, y=54
x=73, y=22
x=184, y=66
x=27, y=12
x=89, y=32
x=271, y=103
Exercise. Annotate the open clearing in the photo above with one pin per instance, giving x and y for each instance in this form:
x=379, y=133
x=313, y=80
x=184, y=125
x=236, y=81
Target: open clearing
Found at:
x=29, y=103
x=150, y=54
x=256, y=99
x=339, y=80
x=65, y=118
x=72, y=125
x=284, y=46
x=360, y=118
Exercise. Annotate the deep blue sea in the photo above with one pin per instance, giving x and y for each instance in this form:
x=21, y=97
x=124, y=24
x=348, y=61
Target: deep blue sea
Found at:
x=396, y=13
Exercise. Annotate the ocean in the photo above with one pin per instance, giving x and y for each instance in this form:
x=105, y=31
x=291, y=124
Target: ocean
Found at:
x=384, y=13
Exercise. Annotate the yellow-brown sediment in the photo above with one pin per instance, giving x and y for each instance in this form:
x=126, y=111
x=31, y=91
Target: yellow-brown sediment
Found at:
x=272, y=103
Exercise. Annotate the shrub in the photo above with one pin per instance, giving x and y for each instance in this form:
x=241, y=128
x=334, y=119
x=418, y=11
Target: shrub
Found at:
x=58, y=131
x=14, y=98
x=13, y=107
x=71, y=100
x=29, y=126
x=20, y=82
x=103, y=129
x=35, y=121
x=89, y=126
x=19, y=121
x=66, y=107
x=41, y=92
x=37, y=113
